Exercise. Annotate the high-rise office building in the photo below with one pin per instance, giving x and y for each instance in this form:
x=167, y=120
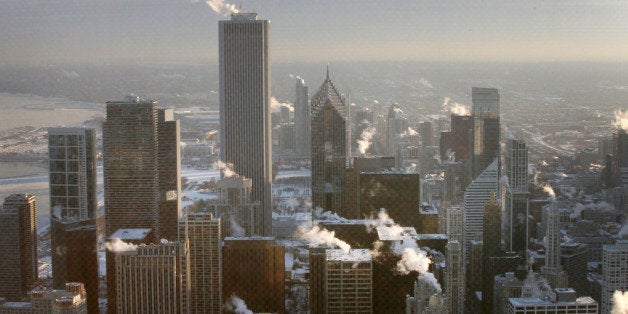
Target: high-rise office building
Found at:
x=328, y=148
x=130, y=165
x=317, y=297
x=477, y=194
x=397, y=124
x=614, y=272
x=491, y=247
x=302, y=120
x=455, y=224
x=454, y=273
x=153, y=278
x=349, y=281
x=426, y=133
x=458, y=140
x=202, y=231
x=560, y=301
x=516, y=164
x=486, y=127
x=239, y=214
x=169, y=166
x=245, y=114
x=553, y=270
x=18, y=246
x=73, y=203
x=619, y=171
x=253, y=269
x=573, y=257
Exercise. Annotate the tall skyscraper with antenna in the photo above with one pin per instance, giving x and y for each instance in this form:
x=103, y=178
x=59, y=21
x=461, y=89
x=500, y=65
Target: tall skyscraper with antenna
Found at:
x=245, y=115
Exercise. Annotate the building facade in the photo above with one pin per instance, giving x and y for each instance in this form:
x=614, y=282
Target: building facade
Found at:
x=486, y=127
x=169, y=167
x=614, y=271
x=302, y=120
x=349, y=281
x=72, y=300
x=18, y=246
x=245, y=114
x=328, y=148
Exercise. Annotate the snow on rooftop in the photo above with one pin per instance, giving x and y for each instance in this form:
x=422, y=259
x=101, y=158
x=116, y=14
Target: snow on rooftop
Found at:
x=131, y=233
x=354, y=255
x=387, y=234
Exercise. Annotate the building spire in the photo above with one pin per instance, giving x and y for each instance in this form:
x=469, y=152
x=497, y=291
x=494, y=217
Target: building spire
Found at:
x=327, y=71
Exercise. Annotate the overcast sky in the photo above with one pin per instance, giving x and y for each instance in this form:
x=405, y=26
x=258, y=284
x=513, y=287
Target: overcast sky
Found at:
x=137, y=31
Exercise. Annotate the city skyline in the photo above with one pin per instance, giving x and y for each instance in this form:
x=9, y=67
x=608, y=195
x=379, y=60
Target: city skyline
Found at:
x=180, y=31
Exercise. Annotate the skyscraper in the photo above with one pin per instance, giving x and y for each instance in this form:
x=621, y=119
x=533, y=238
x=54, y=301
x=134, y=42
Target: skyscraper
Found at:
x=18, y=246
x=553, y=270
x=153, y=279
x=328, y=148
x=169, y=165
x=302, y=119
x=130, y=153
x=614, y=271
x=349, y=281
x=486, y=127
x=477, y=194
x=253, y=269
x=516, y=164
x=455, y=277
x=202, y=231
x=245, y=122
x=73, y=190
x=491, y=247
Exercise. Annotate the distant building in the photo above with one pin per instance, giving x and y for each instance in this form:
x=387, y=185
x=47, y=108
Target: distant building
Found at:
x=317, y=295
x=302, y=120
x=454, y=273
x=456, y=143
x=72, y=300
x=477, y=194
x=553, y=269
x=561, y=300
x=18, y=246
x=240, y=215
x=349, y=281
x=202, y=231
x=328, y=148
x=253, y=269
x=619, y=170
x=169, y=161
x=573, y=257
x=425, y=299
x=130, y=165
x=491, y=248
x=245, y=114
x=153, y=279
x=486, y=127
x=506, y=287
x=614, y=271
x=286, y=138
x=426, y=133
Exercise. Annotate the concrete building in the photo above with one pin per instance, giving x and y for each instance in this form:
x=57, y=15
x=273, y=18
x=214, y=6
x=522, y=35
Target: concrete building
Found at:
x=169, y=161
x=477, y=194
x=573, y=257
x=454, y=277
x=561, y=300
x=486, y=127
x=130, y=165
x=153, y=278
x=202, y=232
x=18, y=246
x=72, y=300
x=302, y=120
x=253, y=269
x=240, y=215
x=245, y=114
x=329, y=143
x=506, y=287
x=74, y=204
x=553, y=269
x=349, y=281
x=614, y=271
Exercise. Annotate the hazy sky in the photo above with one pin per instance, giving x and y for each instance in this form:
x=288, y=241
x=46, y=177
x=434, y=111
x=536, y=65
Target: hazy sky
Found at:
x=137, y=31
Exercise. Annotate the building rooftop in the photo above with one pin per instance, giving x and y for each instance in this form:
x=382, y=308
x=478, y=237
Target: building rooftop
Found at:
x=131, y=234
x=431, y=236
x=385, y=233
x=537, y=301
x=354, y=255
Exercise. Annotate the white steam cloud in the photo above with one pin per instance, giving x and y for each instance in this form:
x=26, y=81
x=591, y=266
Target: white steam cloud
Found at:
x=237, y=231
x=620, y=302
x=319, y=235
x=455, y=108
x=221, y=7
x=116, y=245
x=227, y=169
x=624, y=229
x=237, y=305
x=275, y=105
x=621, y=119
x=425, y=83
x=365, y=139
x=409, y=132
x=292, y=76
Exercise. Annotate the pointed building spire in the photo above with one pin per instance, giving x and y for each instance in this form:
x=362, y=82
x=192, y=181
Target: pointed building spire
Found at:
x=327, y=71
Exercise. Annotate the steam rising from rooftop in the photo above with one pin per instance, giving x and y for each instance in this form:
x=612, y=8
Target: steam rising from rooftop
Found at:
x=221, y=7
x=620, y=302
x=116, y=245
x=275, y=105
x=365, y=139
x=319, y=235
x=237, y=305
x=621, y=119
x=455, y=108
x=226, y=169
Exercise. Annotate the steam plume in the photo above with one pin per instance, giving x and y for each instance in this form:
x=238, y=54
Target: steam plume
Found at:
x=620, y=302
x=275, y=105
x=227, y=169
x=292, y=76
x=237, y=305
x=425, y=83
x=624, y=229
x=116, y=245
x=455, y=108
x=621, y=119
x=221, y=7
x=318, y=235
x=236, y=230
x=409, y=132
x=365, y=139
x=548, y=189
